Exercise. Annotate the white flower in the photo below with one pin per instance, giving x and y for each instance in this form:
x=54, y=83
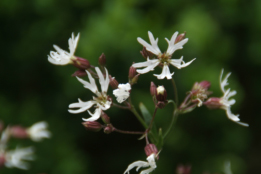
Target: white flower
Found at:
x=15, y=158
x=38, y=131
x=122, y=93
x=163, y=58
x=226, y=102
x=101, y=102
x=151, y=164
x=62, y=57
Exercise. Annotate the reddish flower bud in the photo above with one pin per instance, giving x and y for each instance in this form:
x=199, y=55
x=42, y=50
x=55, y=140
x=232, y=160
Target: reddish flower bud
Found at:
x=18, y=132
x=2, y=160
x=1, y=125
x=79, y=73
x=102, y=60
x=181, y=169
x=132, y=72
x=146, y=53
x=81, y=63
x=161, y=94
x=200, y=92
x=180, y=37
x=150, y=149
x=92, y=126
x=113, y=83
x=153, y=89
x=213, y=103
x=105, y=118
x=108, y=129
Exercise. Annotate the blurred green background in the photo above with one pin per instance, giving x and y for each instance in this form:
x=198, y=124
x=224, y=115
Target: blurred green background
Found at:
x=222, y=34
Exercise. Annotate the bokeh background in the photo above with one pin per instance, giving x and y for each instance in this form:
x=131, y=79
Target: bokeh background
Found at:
x=222, y=34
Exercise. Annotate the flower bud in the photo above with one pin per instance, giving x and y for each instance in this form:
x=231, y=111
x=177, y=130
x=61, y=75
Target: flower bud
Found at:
x=161, y=94
x=181, y=169
x=108, y=129
x=92, y=126
x=18, y=132
x=102, y=60
x=81, y=63
x=113, y=83
x=2, y=160
x=150, y=149
x=204, y=85
x=146, y=53
x=1, y=125
x=200, y=92
x=180, y=37
x=105, y=118
x=79, y=73
x=213, y=103
x=132, y=72
x=153, y=89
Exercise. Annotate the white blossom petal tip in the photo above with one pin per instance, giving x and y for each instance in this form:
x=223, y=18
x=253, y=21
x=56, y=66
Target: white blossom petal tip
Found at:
x=38, y=131
x=140, y=164
x=122, y=93
x=16, y=158
x=165, y=73
x=226, y=101
x=154, y=44
x=95, y=116
x=62, y=57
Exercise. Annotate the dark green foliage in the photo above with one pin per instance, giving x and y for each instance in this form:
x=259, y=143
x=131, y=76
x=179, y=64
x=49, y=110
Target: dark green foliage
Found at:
x=222, y=34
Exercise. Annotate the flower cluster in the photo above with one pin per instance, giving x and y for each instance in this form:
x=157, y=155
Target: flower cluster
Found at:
x=163, y=59
x=17, y=158
x=101, y=101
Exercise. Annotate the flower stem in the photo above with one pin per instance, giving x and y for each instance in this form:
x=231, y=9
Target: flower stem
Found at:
x=119, y=106
x=126, y=132
x=173, y=120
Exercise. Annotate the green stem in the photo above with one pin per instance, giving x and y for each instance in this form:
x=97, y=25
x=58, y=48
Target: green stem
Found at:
x=173, y=120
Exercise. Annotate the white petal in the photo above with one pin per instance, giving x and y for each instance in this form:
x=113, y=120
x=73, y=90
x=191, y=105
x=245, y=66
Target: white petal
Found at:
x=73, y=43
x=92, y=85
x=223, y=82
x=122, y=93
x=165, y=72
x=104, y=106
x=147, y=171
x=154, y=44
x=82, y=105
x=149, y=64
x=104, y=82
x=60, y=57
x=95, y=116
x=151, y=160
x=231, y=116
x=172, y=46
x=137, y=164
x=38, y=131
x=15, y=158
x=179, y=63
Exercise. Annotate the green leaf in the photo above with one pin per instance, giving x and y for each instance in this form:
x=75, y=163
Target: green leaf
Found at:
x=147, y=118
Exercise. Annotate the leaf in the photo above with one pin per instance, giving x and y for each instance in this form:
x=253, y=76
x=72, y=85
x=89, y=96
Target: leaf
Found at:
x=147, y=118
